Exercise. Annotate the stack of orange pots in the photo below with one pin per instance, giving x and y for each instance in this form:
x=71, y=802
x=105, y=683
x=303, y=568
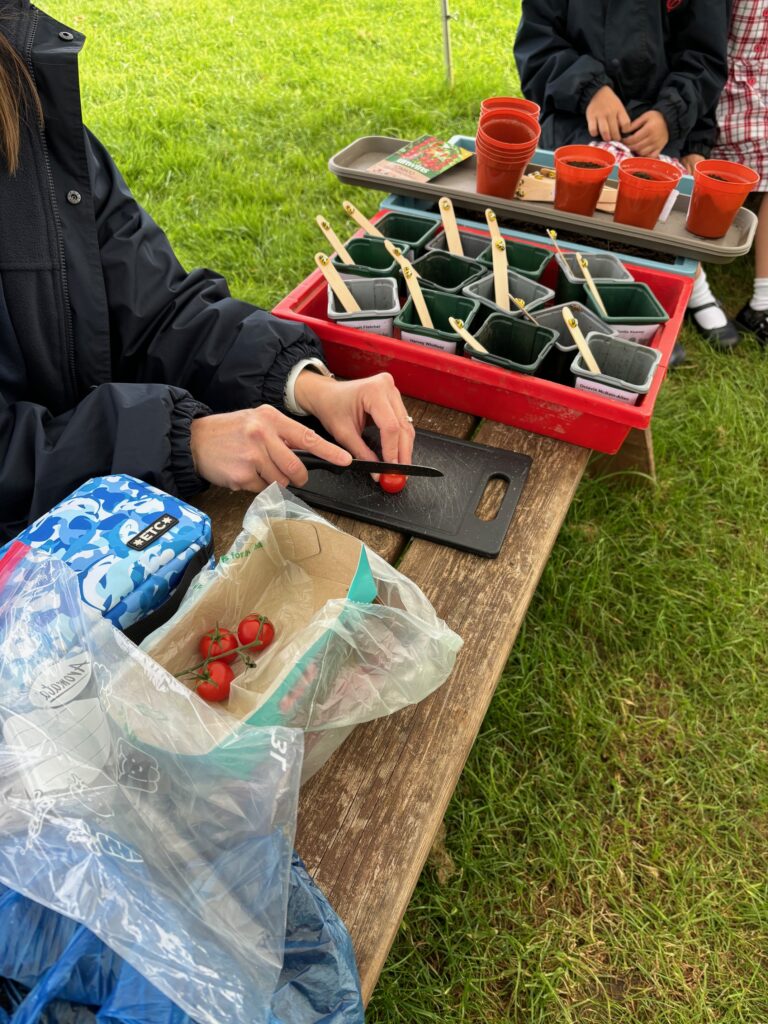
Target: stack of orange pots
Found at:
x=510, y=103
x=507, y=137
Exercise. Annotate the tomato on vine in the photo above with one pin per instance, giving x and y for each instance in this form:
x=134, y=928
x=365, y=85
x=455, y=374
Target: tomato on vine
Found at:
x=212, y=682
x=218, y=644
x=255, y=632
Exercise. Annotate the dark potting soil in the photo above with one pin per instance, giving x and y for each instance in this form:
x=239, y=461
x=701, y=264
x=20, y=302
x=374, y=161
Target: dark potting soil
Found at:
x=720, y=177
x=643, y=175
x=588, y=164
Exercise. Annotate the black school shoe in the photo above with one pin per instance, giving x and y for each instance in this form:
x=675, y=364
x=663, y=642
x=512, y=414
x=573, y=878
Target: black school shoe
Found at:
x=755, y=321
x=721, y=338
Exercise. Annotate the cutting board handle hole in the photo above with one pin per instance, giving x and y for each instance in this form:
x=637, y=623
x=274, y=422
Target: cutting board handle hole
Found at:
x=493, y=495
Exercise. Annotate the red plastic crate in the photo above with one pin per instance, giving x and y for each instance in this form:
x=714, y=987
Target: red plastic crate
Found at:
x=455, y=381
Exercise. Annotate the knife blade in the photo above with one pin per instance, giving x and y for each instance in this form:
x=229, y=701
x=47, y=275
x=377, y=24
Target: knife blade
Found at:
x=362, y=466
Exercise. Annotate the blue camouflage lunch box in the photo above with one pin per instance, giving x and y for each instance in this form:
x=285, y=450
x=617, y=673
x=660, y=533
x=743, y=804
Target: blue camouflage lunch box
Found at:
x=135, y=549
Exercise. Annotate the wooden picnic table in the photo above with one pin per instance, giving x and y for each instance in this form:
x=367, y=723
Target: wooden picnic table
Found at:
x=367, y=819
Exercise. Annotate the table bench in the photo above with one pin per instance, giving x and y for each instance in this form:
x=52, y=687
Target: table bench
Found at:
x=367, y=820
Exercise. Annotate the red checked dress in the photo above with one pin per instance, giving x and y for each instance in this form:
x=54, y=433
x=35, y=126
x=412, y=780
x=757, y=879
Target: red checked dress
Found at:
x=742, y=113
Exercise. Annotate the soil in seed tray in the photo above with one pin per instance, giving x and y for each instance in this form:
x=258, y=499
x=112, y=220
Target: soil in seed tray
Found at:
x=588, y=164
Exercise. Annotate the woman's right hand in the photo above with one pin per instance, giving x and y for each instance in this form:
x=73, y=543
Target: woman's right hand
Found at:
x=250, y=449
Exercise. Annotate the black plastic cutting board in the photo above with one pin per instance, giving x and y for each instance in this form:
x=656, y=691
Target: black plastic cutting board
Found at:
x=436, y=508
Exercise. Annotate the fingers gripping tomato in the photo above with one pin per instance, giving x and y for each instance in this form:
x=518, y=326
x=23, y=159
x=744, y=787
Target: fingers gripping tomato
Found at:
x=392, y=483
x=255, y=632
x=212, y=682
x=218, y=644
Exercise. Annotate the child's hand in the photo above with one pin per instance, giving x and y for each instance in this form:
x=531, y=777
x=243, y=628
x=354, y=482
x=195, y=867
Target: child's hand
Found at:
x=690, y=161
x=649, y=134
x=606, y=115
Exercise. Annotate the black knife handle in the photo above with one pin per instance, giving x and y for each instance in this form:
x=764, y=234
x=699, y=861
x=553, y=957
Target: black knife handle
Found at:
x=315, y=462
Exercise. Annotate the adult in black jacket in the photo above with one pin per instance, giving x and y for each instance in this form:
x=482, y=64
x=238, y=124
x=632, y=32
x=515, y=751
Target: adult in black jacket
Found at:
x=112, y=357
x=667, y=56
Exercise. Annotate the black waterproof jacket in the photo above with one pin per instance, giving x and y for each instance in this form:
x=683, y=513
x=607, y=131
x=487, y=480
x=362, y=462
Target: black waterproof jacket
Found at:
x=667, y=55
x=108, y=347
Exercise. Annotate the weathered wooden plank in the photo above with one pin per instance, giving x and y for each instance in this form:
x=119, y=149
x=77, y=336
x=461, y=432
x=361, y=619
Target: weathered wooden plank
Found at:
x=368, y=818
x=227, y=508
x=633, y=463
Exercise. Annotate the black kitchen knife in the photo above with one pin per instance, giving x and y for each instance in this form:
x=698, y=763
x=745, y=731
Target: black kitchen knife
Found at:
x=361, y=466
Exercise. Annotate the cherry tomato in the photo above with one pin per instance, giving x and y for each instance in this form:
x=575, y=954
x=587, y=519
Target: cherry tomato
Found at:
x=218, y=644
x=256, y=632
x=392, y=483
x=212, y=682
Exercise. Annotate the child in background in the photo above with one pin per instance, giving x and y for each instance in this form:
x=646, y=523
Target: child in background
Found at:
x=743, y=118
x=645, y=73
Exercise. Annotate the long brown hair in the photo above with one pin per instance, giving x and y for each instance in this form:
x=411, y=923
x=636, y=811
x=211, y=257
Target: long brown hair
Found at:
x=18, y=97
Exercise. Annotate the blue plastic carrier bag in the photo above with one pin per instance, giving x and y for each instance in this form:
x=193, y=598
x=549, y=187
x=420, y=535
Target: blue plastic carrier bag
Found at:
x=51, y=968
x=135, y=549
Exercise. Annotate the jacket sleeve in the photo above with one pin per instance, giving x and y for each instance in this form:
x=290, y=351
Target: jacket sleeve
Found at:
x=140, y=429
x=552, y=73
x=698, y=70
x=185, y=329
x=703, y=137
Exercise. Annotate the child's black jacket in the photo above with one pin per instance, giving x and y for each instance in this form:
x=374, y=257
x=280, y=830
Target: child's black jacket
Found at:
x=669, y=55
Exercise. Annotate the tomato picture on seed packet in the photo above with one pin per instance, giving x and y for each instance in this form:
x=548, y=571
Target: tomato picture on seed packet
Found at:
x=421, y=160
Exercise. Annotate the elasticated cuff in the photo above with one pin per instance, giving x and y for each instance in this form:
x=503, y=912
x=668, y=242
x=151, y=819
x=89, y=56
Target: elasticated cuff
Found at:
x=188, y=481
x=590, y=87
x=670, y=111
x=306, y=346
x=702, y=144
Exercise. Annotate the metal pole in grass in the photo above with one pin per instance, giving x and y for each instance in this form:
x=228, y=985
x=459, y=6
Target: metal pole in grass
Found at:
x=446, y=18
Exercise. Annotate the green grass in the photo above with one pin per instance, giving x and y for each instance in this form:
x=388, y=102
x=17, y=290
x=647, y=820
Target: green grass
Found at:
x=605, y=852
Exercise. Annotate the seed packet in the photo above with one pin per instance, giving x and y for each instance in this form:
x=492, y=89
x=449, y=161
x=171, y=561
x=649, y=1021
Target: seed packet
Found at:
x=421, y=160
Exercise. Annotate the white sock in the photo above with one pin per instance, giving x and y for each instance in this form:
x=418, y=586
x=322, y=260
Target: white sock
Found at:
x=711, y=318
x=759, y=298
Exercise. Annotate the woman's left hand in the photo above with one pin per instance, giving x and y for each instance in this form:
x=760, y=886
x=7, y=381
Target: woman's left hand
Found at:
x=345, y=407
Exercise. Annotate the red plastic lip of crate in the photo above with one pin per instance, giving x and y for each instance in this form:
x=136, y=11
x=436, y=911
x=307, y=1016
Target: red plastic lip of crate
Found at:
x=562, y=412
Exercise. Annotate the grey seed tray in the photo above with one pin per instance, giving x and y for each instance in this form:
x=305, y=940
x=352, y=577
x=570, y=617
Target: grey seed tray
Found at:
x=350, y=165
